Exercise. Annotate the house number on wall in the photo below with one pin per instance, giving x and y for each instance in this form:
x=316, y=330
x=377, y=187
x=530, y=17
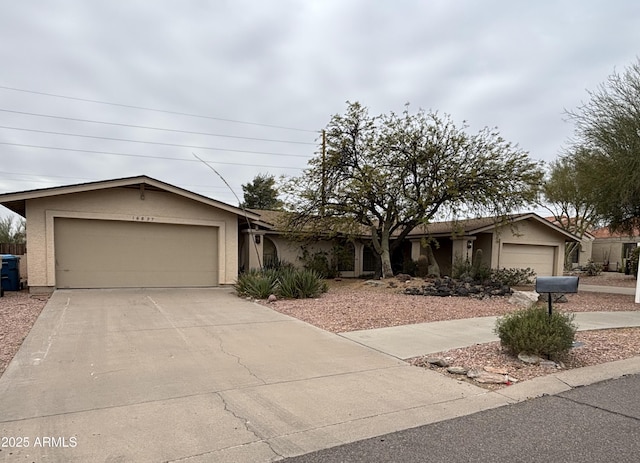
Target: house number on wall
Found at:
x=143, y=218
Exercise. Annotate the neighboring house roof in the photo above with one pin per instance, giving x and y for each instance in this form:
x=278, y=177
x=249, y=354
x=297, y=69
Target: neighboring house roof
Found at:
x=16, y=201
x=448, y=228
x=604, y=232
x=268, y=218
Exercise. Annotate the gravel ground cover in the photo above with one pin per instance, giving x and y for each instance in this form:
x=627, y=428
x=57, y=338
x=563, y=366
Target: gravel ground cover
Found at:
x=18, y=313
x=352, y=305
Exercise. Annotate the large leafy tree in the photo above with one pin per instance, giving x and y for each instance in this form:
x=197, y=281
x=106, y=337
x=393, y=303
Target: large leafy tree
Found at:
x=12, y=231
x=569, y=196
x=388, y=174
x=608, y=135
x=261, y=193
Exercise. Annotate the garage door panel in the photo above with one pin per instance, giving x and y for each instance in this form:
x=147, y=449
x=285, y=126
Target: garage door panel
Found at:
x=107, y=254
x=537, y=257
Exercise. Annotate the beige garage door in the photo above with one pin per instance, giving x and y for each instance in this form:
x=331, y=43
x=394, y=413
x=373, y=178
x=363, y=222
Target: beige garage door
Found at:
x=116, y=254
x=539, y=258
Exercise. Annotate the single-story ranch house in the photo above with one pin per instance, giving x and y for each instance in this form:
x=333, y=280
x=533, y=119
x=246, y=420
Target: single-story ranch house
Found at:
x=141, y=232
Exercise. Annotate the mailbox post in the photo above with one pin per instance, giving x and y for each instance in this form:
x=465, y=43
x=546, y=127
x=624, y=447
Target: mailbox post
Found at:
x=552, y=285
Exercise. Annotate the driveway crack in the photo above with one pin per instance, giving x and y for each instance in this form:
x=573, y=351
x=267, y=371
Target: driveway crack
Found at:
x=238, y=359
x=247, y=426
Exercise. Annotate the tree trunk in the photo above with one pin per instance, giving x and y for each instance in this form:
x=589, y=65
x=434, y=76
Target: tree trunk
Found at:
x=387, y=271
x=385, y=256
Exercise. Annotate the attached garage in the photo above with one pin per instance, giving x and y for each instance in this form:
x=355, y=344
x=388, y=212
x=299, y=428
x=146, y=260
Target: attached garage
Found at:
x=540, y=258
x=129, y=232
x=119, y=254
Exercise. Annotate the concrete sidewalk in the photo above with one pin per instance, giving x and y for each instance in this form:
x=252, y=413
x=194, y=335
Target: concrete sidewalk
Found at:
x=607, y=289
x=408, y=341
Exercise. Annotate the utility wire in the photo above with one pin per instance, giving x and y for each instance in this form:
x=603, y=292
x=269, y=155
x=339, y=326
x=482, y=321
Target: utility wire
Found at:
x=111, y=153
x=2, y=172
x=151, y=142
x=155, y=128
x=87, y=100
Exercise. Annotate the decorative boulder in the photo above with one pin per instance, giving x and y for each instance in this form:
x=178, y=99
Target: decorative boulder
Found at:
x=524, y=299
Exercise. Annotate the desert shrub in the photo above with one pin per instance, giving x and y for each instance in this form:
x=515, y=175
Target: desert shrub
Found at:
x=461, y=268
x=422, y=266
x=478, y=271
x=513, y=276
x=259, y=284
x=409, y=267
x=276, y=263
x=287, y=282
x=592, y=269
x=533, y=331
x=319, y=262
x=309, y=284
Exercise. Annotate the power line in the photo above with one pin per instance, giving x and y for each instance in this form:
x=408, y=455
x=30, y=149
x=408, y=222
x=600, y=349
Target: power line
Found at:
x=144, y=156
x=155, y=128
x=93, y=179
x=151, y=142
x=87, y=100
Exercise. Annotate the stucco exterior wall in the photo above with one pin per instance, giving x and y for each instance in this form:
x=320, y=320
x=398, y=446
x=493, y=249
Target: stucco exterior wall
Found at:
x=532, y=233
x=125, y=204
x=611, y=250
x=292, y=252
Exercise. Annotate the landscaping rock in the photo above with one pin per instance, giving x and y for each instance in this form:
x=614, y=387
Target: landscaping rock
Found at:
x=530, y=359
x=549, y=364
x=499, y=371
x=272, y=298
x=445, y=287
x=555, y=297
x=486, y=377
x=524, y=299
x=403, y=277
x=373, y=283
x=438, y=361
x=457, y=370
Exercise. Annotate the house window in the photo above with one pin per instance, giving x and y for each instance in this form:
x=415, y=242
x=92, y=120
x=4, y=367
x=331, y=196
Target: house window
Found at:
x=574, y=257
x=269, y=253
x=628, y=249
x=369, y=260
x=346, y=257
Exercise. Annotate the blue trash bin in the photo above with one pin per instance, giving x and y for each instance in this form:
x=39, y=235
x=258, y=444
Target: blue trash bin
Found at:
x=10, y=272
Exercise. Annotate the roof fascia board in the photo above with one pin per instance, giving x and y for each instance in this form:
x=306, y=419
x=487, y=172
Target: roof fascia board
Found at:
x=123, y=182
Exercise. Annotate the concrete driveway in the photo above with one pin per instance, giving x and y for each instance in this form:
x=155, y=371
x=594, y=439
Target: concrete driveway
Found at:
x=200, y=375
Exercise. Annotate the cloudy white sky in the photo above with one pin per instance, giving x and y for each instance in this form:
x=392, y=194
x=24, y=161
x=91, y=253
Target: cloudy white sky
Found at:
x=259, y=79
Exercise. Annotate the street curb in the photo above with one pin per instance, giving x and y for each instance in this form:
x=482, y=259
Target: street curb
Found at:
x=563, y=381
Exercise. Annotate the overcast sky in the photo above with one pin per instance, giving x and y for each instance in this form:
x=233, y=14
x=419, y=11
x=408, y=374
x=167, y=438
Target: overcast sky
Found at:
x=264, y=77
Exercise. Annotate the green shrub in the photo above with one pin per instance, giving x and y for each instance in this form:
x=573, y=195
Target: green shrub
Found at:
x=259, y=284
x=287, y=282
x=513, y=276
x=422, y=266
x=478, y=271
x=276, y=263
x=592, y=269
x=409, y=267
x=308, y=284
x=319, y=263
x=532, y=331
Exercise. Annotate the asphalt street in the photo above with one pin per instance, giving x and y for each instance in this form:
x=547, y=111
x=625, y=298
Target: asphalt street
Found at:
x=590, y=424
